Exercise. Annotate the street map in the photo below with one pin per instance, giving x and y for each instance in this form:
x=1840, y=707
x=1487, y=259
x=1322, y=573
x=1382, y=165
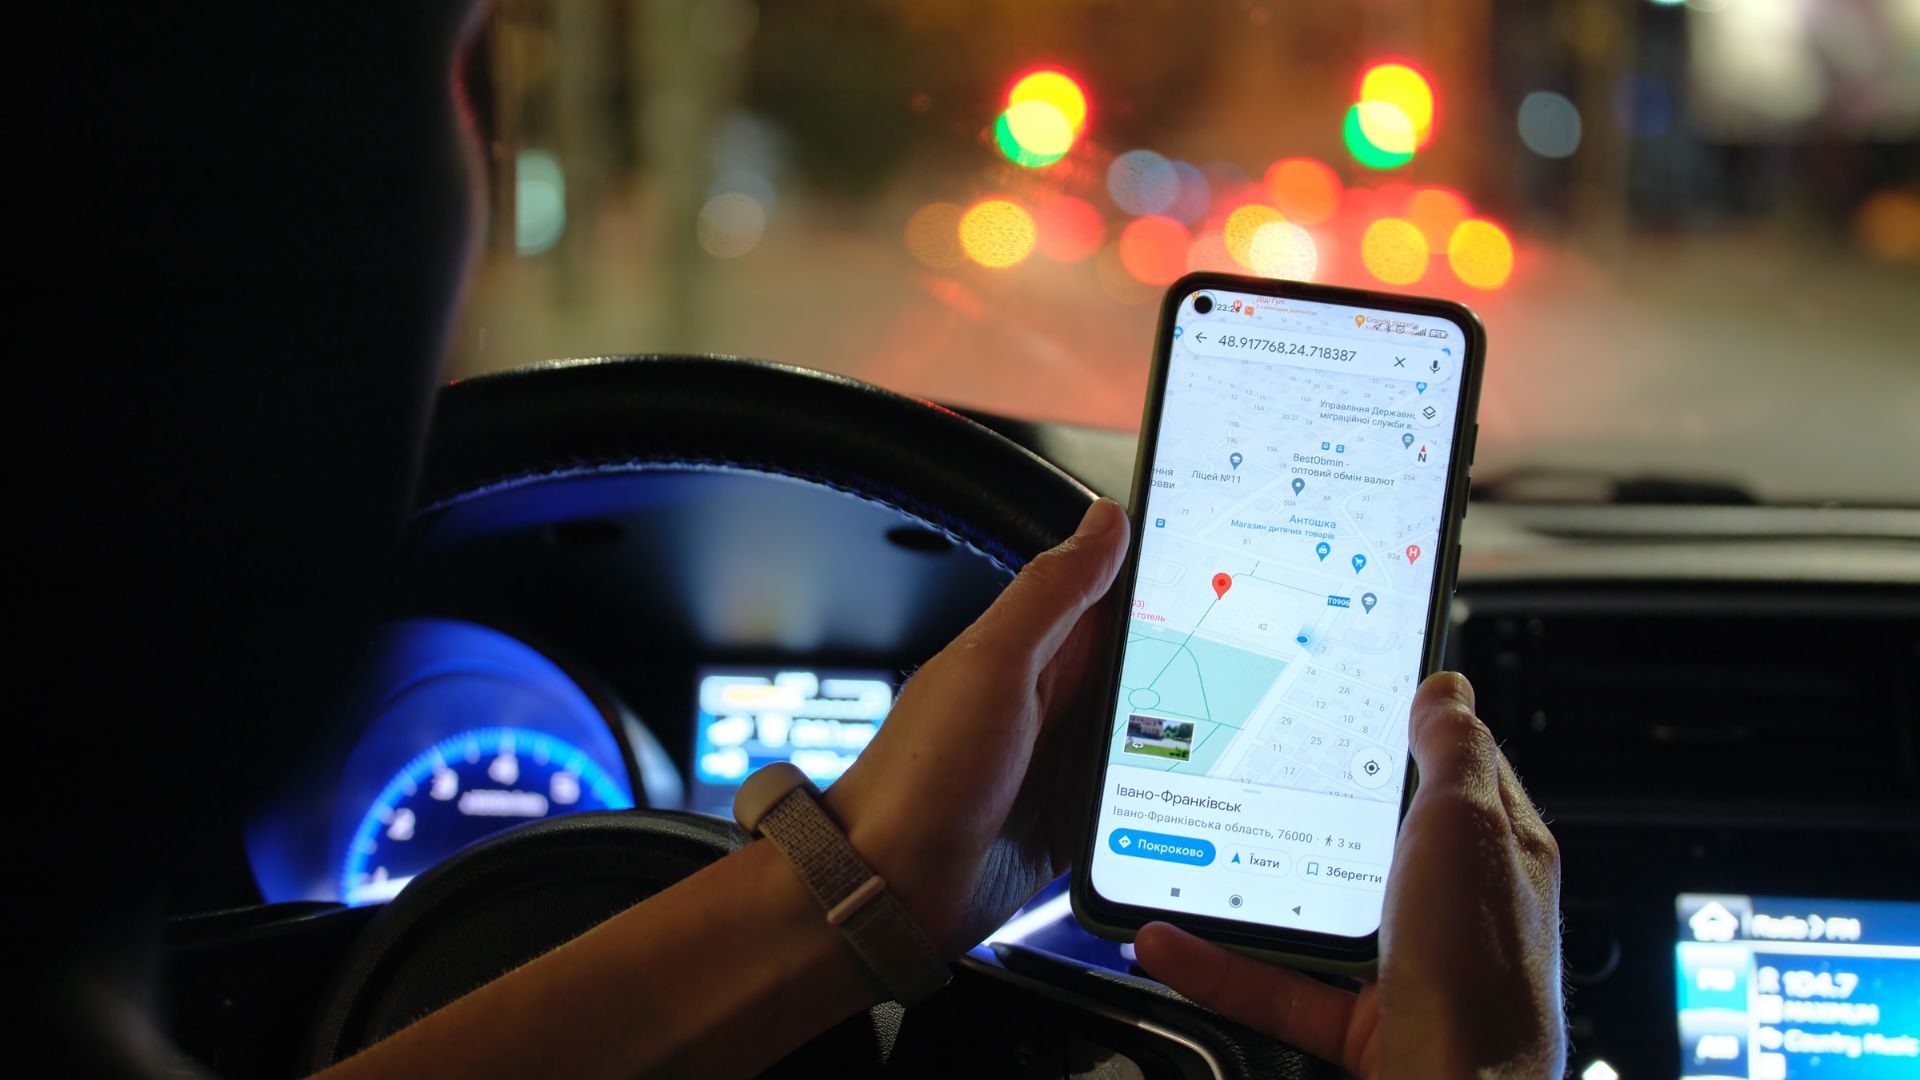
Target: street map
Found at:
x=1289, y=546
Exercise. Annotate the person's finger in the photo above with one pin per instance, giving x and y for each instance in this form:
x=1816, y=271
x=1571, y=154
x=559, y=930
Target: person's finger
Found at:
x=1285, y=1004
x=1060, y=683
x=1520, y=807
x=1033, y=616
x=1453, y=749
x=1529, y=828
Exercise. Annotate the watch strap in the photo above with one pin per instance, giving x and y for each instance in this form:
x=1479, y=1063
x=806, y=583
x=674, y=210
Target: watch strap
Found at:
x=785, y=808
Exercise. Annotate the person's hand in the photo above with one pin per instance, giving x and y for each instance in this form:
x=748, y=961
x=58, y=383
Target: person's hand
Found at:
x=1469, y=940
x=965, y=801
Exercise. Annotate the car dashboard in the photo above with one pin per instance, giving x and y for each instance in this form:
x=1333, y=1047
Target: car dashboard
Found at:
x=1717, y=708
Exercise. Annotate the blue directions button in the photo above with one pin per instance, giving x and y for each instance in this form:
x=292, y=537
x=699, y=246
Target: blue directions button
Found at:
x=1152, y=845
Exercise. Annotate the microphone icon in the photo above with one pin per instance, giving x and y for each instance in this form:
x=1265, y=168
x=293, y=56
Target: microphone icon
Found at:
x=1434, y=367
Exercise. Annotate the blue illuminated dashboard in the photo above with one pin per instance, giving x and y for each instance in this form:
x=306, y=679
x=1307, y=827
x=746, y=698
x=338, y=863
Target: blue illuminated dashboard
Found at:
x=1785, y=988
x=750, y=717
x=458, y=731
x=462, y=789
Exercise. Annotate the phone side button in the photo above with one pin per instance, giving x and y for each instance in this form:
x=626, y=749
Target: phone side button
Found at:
x=1453, y=567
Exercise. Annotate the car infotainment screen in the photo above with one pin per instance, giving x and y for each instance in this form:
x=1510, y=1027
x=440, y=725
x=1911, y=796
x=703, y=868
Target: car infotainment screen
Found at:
x=1785, y=988
x=748, y=717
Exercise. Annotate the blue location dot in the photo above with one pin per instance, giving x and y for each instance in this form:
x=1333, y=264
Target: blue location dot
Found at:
x=1323, y=549
x=1302, y=639
x=1235, y=458
x=1299, y=485
x=1407, y=440
x=1420, y=386
x=1367, y=600
x=1359, y=563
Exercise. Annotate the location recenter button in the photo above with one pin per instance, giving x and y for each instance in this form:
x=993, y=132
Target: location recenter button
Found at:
x=1142, y=844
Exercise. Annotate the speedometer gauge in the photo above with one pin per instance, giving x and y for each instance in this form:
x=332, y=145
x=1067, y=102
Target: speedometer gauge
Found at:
x=463, y=788
x=452, y=731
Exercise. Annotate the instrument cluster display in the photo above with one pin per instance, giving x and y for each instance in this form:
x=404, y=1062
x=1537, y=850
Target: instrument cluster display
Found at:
x=468, y=731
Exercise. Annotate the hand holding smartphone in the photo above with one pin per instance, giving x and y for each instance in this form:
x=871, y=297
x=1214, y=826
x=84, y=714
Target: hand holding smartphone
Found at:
x=1296, y=506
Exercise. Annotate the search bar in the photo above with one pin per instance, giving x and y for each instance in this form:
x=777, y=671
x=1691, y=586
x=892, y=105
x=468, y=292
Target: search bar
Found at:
x=1323, y=352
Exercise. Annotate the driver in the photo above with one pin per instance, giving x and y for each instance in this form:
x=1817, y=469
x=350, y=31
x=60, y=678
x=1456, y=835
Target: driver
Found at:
x=268, y=211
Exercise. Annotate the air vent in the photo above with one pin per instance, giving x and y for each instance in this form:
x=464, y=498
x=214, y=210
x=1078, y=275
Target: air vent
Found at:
x=1715, y=704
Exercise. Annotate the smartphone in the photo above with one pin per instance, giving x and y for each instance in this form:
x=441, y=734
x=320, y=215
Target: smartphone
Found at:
x=1302, y=475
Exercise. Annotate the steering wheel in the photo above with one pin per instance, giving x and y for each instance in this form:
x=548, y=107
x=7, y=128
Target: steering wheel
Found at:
x=503, y=901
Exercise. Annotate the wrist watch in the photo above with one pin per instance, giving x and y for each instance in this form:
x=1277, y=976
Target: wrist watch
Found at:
x=781, y=804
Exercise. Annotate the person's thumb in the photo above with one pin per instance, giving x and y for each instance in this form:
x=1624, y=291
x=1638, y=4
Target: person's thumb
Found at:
x=1452, y=748
x=1033, y=615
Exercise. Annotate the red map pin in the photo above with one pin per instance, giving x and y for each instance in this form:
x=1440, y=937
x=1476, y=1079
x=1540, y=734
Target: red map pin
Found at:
x=1221, y=583
x=1413, y=554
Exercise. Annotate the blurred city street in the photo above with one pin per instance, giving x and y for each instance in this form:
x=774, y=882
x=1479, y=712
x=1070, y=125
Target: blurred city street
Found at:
x=1695, y=290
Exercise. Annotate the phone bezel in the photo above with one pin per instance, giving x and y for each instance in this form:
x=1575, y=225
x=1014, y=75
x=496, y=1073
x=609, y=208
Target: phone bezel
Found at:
x=1112, y=919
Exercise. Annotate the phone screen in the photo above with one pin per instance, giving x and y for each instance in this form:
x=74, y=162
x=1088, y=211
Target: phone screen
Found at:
x=1280, y=610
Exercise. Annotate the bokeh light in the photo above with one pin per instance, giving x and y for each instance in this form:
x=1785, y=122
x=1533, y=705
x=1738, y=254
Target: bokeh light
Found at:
x=997, y=233
x=1407, y=91
x=1240, y=227
x=1282, y=249
x=1010, y=145
x=1142, y=182
x=1481, y=254
x=1045, y=113
x=1359, y=205
x=1549, y=124
x=933, y=235
x=1305, y=190
x=1435, y=211
x=1040, y=128
x=539, y=201
x=1390, y=122
x=1154, y=249
x=746, y=182
x=1071, y=229
x=1194, y=197
x=731, y=225
x=1386, y=126
x=1887, y=225
x=1209, y=252
x=1056, y=89
x=1394, y=251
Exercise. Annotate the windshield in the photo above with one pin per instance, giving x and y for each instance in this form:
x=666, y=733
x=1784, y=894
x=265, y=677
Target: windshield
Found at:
x=1692, y=229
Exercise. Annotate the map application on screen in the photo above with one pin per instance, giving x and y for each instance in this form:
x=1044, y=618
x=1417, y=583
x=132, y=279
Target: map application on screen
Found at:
x=1288, y=548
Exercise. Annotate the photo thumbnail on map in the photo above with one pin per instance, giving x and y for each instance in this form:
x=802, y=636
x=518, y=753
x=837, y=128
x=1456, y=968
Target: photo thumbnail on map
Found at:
x=1155, y=736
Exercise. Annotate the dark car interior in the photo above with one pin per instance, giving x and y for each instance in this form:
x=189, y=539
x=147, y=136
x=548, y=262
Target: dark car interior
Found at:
x=1688, y=589
x=1704, y=699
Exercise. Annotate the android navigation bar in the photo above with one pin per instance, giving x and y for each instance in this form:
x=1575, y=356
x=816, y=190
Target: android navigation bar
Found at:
x=1318, y=350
